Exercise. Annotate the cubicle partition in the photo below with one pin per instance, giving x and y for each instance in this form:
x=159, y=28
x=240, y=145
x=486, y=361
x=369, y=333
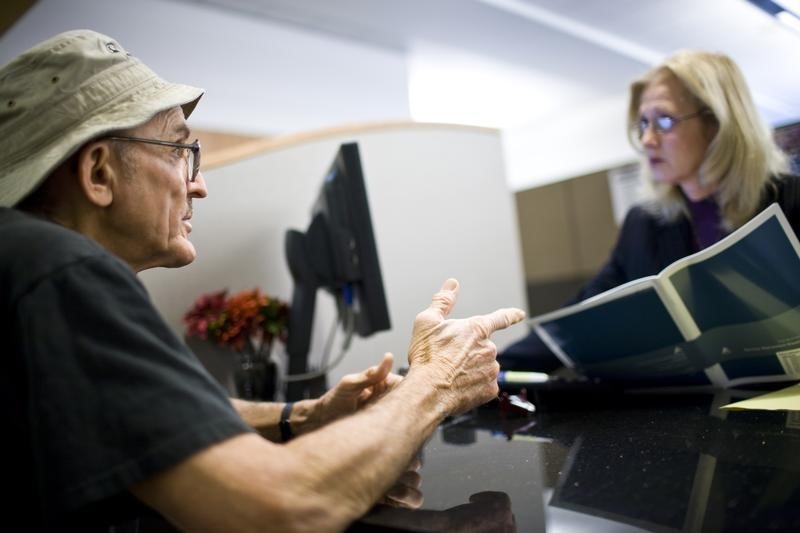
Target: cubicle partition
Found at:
x=440, y=207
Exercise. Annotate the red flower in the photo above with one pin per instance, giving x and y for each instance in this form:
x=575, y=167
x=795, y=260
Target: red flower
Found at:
x=248, y=319
x=204, y=314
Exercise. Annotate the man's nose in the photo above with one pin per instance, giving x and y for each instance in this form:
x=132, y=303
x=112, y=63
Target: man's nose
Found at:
x=197, y=188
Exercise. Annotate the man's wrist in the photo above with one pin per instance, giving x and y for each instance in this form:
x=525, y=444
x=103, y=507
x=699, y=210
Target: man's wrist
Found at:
x=303, y=417
x=426, y=386
x=284, y=425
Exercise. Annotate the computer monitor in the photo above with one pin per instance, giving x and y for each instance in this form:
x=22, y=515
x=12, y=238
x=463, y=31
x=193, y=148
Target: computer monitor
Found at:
x=338, y=254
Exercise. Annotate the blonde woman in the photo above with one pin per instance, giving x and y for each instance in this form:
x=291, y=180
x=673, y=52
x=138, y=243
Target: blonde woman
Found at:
x=712, y=162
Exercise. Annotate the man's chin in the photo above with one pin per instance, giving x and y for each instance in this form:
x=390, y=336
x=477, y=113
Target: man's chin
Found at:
x=186, y=258
x=180, y=255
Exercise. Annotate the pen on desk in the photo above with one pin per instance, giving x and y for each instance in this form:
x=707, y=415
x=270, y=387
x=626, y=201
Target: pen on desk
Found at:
x=514, y=376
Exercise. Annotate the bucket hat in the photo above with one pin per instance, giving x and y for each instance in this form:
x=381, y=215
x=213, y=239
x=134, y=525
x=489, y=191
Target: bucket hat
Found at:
x=66, y=91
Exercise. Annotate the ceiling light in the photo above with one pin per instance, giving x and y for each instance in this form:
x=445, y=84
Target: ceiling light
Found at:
x=792, y=6
x=789, y=20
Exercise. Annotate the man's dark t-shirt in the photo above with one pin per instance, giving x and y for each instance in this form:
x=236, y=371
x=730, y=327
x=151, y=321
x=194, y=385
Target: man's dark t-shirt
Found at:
x=97, y=392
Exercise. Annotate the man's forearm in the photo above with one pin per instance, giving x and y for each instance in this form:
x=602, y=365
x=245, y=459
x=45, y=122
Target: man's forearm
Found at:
x=317, y=482
x=369, y=449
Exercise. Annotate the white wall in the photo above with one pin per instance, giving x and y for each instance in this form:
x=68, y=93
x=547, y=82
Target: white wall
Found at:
x=440, y=208
x=587, y=138
x=260, y=77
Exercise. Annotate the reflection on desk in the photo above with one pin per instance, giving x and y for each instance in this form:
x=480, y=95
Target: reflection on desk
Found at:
x=650, y=463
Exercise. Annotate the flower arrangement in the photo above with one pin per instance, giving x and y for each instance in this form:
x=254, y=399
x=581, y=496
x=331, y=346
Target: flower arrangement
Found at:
x=248, y=320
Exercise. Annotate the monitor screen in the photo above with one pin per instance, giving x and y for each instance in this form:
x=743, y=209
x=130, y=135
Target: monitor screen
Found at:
x=338, y=254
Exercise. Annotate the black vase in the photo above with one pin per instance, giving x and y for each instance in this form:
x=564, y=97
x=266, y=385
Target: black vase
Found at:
x=255, y=375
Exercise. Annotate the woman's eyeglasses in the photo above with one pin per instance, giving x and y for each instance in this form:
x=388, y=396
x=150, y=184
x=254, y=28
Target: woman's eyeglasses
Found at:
x=662, y=123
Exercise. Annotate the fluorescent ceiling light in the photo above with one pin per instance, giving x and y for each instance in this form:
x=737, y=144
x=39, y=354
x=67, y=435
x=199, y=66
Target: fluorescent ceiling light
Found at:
x=789, y=20
x=586, y=32
x=790, y=5
x=446, y=85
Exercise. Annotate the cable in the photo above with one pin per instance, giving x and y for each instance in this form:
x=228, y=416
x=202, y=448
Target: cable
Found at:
x=349, y=329
x=326, y=353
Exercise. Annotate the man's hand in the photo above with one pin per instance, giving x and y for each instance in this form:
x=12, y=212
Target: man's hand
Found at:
x=354, y=391
x=406, y=493
x=456, y=356
x=485, y=512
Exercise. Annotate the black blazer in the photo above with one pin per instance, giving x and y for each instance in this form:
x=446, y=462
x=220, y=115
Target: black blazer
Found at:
x=645, y=246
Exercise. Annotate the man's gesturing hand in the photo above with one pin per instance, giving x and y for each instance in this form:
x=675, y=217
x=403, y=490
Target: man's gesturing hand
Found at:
x=457, y=356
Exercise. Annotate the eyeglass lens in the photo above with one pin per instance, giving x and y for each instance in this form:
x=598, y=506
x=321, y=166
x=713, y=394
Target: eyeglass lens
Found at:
x=662, y=123
x=193, y=162
x=190, y=171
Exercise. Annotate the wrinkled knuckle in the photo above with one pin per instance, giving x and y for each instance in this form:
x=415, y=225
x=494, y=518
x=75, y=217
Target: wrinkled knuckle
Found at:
x=487, y=352
x=489, y=374
x=491, y=349
x=400, y=492
x=413, y=479
x=478, y=327
x=444, y=297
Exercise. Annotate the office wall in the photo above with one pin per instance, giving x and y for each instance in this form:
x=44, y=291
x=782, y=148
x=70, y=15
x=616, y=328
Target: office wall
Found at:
x=440, y=208
x=588, y=137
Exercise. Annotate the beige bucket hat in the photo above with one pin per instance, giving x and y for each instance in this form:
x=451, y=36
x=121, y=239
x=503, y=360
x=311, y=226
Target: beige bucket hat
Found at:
x=65, y=91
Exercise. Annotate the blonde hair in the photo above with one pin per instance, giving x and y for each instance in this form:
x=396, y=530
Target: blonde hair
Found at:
x=742, y=155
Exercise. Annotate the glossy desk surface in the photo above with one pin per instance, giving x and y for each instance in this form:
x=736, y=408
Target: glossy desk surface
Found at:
x=634, y=463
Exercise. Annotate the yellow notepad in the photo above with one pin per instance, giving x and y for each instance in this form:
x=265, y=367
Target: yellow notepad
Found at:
x=787, y=399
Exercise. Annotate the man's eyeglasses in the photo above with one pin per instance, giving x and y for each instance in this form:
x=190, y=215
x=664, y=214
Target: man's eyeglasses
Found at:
x=193, y=151
x=663, y=123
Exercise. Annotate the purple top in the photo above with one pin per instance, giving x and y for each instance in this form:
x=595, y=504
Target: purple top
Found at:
x=705, y=222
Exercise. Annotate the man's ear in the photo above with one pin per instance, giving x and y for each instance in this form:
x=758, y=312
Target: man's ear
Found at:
x=96, y=174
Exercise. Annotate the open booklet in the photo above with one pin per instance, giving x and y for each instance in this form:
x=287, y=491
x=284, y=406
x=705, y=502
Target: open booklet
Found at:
x=725, y=316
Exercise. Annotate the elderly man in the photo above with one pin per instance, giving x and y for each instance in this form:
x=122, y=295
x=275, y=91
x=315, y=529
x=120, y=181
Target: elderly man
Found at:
x=105, y=409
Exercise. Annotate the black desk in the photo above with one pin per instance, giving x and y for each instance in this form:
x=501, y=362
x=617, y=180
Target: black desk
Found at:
x=653, y=463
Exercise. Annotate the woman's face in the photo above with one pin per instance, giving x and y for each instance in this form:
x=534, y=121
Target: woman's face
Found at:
x=675, y=156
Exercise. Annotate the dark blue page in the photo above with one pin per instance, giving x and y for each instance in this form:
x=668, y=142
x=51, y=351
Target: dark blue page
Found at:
x=746, y=302
x=630, y=338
